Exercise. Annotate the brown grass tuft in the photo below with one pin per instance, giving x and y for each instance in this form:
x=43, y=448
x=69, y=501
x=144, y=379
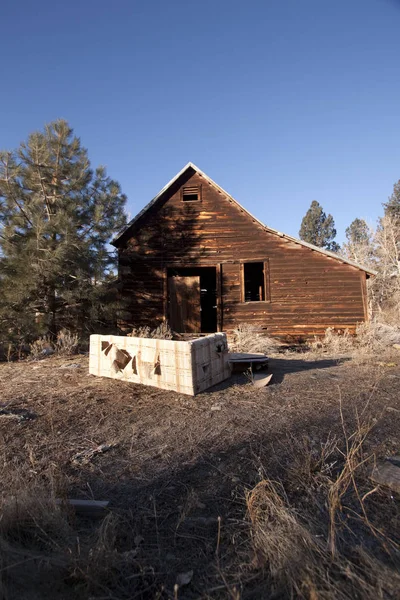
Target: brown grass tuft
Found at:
x=371, y=339
x=313, y=535
x=161, y=332
x=249, y=338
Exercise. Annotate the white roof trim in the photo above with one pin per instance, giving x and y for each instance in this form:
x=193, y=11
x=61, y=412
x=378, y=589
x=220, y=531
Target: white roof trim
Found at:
x=265, y=227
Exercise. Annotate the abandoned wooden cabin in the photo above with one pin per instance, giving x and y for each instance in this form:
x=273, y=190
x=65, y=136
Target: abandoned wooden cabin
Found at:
x=196, y=258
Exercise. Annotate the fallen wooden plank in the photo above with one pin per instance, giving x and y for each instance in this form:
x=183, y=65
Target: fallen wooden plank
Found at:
x=247, y=357
x=387, y=473
x=84, y=457
x=95, y=509
x=19, y=414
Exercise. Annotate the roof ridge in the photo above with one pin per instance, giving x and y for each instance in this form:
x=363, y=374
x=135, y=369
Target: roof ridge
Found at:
x=191, y=165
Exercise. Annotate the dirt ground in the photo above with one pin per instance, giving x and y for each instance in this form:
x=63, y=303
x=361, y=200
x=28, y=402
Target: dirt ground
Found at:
x=179, y=467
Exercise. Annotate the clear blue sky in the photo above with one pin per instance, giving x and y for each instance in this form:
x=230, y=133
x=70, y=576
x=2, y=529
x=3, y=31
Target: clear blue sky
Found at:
x=280, y=101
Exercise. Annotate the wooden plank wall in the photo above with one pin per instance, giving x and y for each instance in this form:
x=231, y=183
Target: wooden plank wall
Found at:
x=308, y=291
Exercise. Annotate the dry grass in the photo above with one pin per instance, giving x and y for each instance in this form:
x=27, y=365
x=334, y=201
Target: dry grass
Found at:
x=333, y=343
x=34, y=532
x=372, y=339
x=40, y=347
x=176, y=482
x=46, y=552
x=162, y=332
x=249, y=338
x=298, y=561
x=67, y=343
x=314, y=534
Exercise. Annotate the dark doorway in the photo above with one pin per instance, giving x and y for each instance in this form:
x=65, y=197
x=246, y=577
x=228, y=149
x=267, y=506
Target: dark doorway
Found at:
x=192, y=299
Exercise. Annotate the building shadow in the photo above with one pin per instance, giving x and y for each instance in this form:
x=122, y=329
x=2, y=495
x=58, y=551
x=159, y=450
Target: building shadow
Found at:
x=279, y=368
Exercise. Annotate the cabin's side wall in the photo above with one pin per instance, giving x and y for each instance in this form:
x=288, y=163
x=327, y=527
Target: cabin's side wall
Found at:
x=308, y=291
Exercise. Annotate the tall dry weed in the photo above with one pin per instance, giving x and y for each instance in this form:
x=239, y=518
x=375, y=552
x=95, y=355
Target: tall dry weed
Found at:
x=67, y=342
x=41, y=347
x=161, y=332
x=313, y=534
x=372, y=339
x=249, y=338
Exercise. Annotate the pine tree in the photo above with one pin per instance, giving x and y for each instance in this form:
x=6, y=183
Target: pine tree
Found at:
x=57, y=216
x=392, y=206
x=357, y=232
x=318, y=229
x=359, y=245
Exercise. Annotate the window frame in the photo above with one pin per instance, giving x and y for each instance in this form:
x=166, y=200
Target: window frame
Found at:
x=267, y=286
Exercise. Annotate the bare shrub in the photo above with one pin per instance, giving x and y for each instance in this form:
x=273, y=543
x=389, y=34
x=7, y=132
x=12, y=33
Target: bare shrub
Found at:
x=249, y=338
x=67, y=342
x=162, y=332
x=141, y=332
x=334, y=342
x=41, y=347
x=371, y=338
x=380, y=250
x=384, y=289
x=377, y=335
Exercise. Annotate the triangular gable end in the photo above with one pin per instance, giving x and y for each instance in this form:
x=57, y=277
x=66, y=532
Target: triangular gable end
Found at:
x=117, y=241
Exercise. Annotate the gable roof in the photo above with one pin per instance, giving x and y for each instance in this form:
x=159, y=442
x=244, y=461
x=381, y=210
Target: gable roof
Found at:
x=121, y=236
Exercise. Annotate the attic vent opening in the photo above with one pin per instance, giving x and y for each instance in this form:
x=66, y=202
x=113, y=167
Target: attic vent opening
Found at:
x=191, y=193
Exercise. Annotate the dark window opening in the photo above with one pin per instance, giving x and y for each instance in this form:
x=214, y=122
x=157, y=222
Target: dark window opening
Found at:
x=254, y=282
x=191, y=193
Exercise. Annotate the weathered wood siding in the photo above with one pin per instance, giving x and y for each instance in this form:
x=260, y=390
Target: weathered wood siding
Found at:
x=308, y=291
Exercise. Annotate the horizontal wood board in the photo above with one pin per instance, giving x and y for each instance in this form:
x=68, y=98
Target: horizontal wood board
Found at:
x=308, y=291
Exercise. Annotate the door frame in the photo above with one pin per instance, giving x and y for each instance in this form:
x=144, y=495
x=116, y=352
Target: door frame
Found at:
x=191, y=265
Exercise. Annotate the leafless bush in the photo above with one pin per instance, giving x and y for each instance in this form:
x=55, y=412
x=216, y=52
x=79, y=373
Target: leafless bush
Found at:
x=67, y=342
x=249, y=338
x=41, y=347
x=142, y=332
x=371, y=339
x=162, y=332
x=377, y=335
x=334, y=342
x=384, y=289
